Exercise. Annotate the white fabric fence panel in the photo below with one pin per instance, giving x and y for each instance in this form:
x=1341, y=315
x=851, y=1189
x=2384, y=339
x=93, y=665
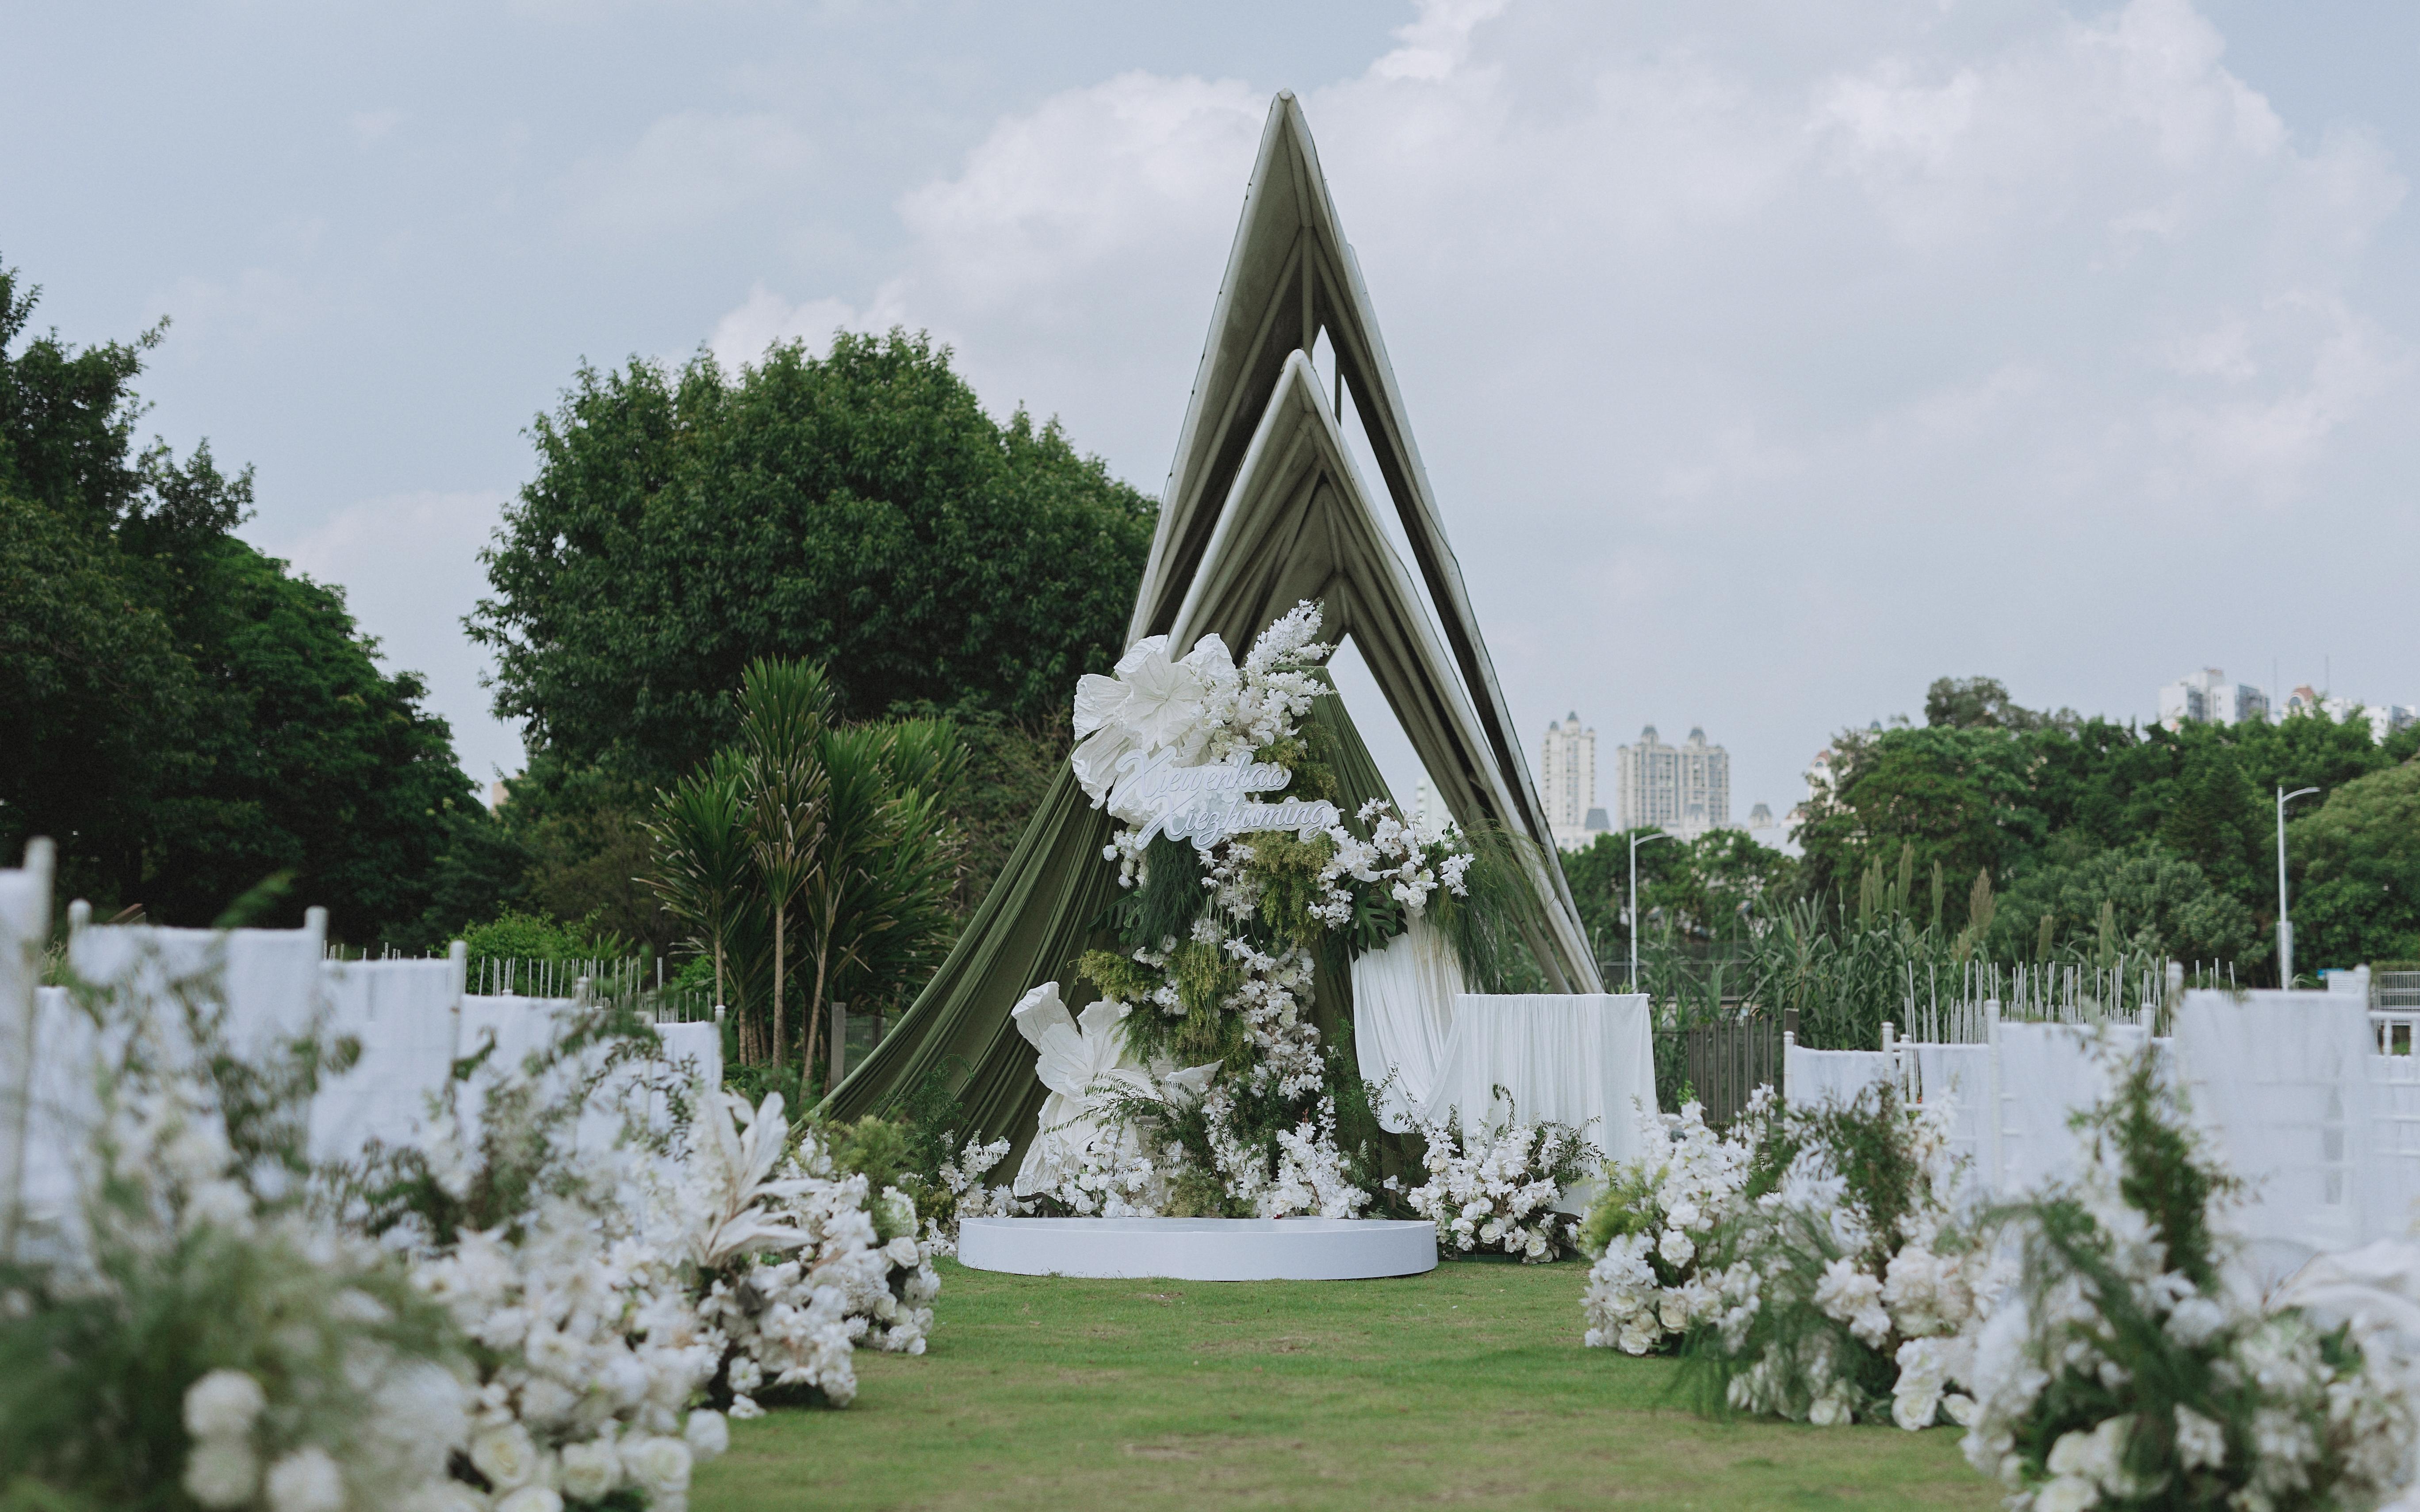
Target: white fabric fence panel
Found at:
x=1966, y=1079
x=1582, y=1058
x=1812, y=1076
x=2394, y=1141
x=2048, y=1073
x=2283, y=1082
x=405, y=1015
x=24, y=930
x=1402, y=1016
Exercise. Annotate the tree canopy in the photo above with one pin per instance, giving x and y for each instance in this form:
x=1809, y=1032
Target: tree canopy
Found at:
x=859, y=509
x=196, y=718
x=2172, y=829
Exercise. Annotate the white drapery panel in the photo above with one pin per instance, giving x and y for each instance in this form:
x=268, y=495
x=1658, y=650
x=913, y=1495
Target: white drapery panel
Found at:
x=1582, y=1058
x=2281, y=1082
x=1402, y=1017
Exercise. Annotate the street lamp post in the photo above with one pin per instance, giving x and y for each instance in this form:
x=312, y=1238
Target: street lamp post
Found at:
x=2285, y=925
x=1638, y=840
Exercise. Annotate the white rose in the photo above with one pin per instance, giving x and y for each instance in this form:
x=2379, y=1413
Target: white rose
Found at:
x=222, y=1405
x=222, y=1473
x=531, y=1499
x=707, y=1434
x=505, y=1456
x=590, y=1470
x=657, y=1466
x=1677, y=1248
x=306, y=1481
x=902, y=1252
x=1829, y=1411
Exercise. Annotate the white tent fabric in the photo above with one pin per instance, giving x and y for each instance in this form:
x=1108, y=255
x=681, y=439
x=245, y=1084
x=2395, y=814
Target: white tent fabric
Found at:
x=1403, y=1015
x=1582, y=1058
x=1815, y=1076
x=2281, y=1082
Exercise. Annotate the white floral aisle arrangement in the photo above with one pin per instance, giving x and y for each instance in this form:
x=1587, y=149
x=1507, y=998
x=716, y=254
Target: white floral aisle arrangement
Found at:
x=194, y=1331
x=1805, y=1262
x=2120, y=1369
x=1648, y=1228
x=1497, y=1189
x=1198, y=1083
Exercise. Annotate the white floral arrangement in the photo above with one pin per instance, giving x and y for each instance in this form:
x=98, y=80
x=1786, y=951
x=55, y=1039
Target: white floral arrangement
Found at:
x=1223, y=986
x=1834, y=1295
x=964, y=1195
x=1648, y=1228
x=1497, y=1189
x=2122, y=1370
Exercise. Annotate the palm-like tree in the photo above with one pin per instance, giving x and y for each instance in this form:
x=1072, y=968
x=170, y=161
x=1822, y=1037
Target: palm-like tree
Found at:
x=785, y=713
x=703, y=867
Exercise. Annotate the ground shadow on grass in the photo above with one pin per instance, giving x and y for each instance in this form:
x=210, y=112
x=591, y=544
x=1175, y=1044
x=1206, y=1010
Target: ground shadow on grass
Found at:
x=1467, y=1386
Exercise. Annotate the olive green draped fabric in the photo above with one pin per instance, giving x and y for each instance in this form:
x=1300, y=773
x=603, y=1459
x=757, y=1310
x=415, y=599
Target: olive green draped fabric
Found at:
x=1038, y=919
x=1264, y=508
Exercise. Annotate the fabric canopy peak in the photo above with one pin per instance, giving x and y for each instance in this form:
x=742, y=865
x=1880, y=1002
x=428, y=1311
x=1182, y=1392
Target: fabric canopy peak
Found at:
x=1299, y=523
x=1264, y=508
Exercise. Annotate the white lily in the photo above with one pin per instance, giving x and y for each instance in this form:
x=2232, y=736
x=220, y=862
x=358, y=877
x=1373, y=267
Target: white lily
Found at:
x=732, y=1152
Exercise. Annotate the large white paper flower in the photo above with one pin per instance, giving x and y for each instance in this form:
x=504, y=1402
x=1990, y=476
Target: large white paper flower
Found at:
x=1153, y=701
x=1086, y=1065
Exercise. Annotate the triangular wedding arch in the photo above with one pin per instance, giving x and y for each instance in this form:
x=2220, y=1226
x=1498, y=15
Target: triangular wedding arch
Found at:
x=1264, y=508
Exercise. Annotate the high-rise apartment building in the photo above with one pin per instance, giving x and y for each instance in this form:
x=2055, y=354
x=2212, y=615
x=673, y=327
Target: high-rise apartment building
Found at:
x=1567, y=783
x=2207, y=697
x=1686, y=789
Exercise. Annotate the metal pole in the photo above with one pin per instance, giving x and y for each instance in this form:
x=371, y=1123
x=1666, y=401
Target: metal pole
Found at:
x=2285, y=925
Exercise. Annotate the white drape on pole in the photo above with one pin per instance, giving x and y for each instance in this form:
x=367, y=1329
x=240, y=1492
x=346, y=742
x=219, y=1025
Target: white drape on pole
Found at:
x=1403, y=1015
x=1581, y=1058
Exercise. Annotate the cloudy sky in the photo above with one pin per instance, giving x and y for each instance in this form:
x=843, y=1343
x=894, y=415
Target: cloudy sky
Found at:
x=1770, y=359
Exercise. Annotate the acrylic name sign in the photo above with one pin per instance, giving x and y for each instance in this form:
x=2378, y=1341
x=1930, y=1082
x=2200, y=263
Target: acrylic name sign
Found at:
x=1208, y=804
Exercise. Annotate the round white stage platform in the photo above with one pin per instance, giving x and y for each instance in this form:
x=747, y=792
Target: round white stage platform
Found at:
x=1201, y=1249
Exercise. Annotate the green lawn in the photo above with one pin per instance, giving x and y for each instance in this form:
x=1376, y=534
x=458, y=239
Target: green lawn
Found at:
x=1467, y=1386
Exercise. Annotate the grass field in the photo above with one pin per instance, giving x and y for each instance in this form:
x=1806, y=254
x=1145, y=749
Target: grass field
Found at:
x=1464, y=1386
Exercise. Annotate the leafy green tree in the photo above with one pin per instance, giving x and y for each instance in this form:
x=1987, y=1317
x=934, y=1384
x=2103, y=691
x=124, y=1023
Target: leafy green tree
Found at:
x=859, y=509
x=2356, y=864
x=2159, y=902
x=1704, y=891
x=197, y=718
x=1958, y=797
x=1983, y=703
x=786, y=713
